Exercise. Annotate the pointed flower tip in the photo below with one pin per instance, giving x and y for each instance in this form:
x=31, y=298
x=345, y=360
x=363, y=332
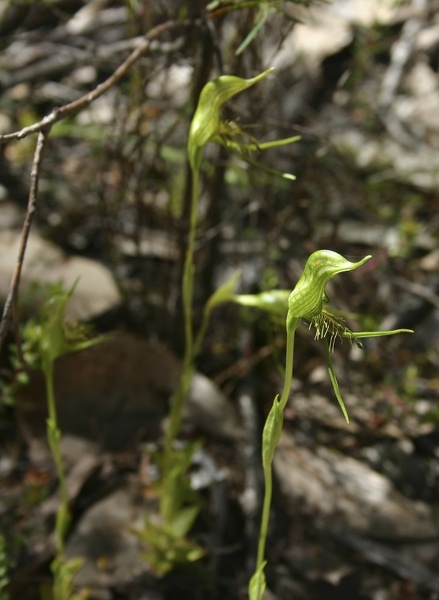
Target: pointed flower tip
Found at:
x=363, y=260
x=264, y=73
x=332, y=263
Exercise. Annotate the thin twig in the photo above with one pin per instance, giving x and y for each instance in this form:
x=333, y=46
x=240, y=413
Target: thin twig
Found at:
x=73, y=107
x=11, y=304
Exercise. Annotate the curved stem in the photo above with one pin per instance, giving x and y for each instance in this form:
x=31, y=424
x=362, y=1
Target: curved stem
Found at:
x=179, y=398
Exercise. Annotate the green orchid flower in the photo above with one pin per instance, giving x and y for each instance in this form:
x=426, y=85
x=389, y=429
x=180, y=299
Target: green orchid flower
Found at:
x=309, y=302
x=207, y=125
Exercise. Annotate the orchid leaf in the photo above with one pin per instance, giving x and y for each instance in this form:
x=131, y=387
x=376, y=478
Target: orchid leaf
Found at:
x=271, y=433
x=254, y=32
x=334, y=381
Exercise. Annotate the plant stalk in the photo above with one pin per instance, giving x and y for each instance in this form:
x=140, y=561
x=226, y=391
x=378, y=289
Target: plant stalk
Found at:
x=179, y=398
x=54, y=436
x=269, y=443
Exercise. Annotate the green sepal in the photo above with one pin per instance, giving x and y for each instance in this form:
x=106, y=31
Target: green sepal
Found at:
x=372, y=334
x=229, y=138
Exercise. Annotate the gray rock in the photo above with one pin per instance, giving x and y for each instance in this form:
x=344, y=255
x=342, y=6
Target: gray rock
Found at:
x=350, y=495
x=45, y=264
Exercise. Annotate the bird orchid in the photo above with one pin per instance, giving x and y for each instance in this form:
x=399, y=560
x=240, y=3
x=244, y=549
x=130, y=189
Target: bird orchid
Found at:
x=307, y=302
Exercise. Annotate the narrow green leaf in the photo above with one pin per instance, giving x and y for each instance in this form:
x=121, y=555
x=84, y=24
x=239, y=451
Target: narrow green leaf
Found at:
x=334, y=380
x=254, y=32
x=271, y=433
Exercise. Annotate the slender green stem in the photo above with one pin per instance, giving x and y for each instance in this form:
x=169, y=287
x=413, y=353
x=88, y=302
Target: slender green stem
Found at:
x=56, y=450
x=289, y=361
x=268, y=492
x=54, y=436
x=189, y=268
x=179, y=398
x=270, y=439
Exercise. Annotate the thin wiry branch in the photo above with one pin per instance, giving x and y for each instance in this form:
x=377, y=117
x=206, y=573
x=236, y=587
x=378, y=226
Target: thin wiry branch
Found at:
x=73, y=107
x=11, y=304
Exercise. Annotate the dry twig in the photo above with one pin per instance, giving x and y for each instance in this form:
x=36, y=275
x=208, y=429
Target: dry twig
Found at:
x=77, y=105
x=11, y=304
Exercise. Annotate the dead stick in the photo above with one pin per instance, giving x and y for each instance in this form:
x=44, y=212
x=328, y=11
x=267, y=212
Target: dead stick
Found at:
x=11, y=304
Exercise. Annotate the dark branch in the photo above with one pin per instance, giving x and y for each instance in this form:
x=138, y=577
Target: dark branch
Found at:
x=73, y=107
x=11, y=304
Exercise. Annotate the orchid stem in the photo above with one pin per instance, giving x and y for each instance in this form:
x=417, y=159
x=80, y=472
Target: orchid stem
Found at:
x=270, y=439
x=180, y=395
